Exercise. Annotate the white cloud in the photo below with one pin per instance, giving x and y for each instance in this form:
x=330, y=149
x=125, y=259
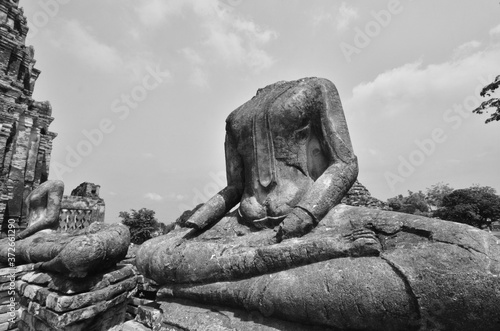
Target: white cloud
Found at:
x=466, y=49
x=168, y=197
x=320, y=17
x=415, y=86
x=198, y=76
x=345, y=16
x=153, y=196
x=192, y=56
x=495, y=31
x=77, y=40
x=225, y=38
x=237, y=42
x=175, y=197
x=153, y=13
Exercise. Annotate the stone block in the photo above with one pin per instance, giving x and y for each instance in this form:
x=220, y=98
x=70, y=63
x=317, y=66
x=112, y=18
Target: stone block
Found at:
x=38, y=278
x=134, y=326
x=7, y=308
x=149, y=316
x=139, y=302
x=72, y=286
x=131, y=310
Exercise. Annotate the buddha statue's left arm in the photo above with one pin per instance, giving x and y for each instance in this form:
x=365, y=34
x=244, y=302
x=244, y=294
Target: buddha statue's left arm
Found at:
x=342, y=170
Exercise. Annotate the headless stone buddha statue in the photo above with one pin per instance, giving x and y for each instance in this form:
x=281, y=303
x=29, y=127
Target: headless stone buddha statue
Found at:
x=74, y=254
x=276, y=240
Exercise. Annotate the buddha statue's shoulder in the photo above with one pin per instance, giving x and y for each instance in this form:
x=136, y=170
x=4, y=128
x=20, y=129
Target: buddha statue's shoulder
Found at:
x=310, y=88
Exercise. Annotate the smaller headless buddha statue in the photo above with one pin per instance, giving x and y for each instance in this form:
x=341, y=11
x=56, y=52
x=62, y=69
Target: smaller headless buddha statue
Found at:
x=74, y=254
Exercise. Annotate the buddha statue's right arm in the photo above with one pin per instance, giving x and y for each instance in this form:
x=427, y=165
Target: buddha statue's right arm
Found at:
x=221, y=203
x=330, y=187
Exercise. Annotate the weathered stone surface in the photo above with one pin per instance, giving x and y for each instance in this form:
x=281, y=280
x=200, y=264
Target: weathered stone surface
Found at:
x=289, y=163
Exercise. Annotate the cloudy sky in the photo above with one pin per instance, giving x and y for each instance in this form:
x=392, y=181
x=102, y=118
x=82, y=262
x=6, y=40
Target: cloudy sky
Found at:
x=140, y=89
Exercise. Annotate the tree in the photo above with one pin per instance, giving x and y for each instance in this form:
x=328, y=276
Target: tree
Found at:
x=488, y=90
x=483, y=189
x=435, y=194
x=414, y=203
x=143, y=225
x=475, y=206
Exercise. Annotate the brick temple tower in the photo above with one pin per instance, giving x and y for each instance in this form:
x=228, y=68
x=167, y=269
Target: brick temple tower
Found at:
x=25, y=139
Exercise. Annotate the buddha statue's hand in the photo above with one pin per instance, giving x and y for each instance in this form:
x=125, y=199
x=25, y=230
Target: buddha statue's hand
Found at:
x=364, y=242
x=296, y=224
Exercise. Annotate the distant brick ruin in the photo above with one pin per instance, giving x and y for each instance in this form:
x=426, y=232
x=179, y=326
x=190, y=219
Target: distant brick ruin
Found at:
x=25, y=139
x=359, y=196
x=81, y=208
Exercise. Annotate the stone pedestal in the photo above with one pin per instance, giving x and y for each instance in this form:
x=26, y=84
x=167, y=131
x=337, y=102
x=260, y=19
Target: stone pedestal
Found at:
x=54, y=302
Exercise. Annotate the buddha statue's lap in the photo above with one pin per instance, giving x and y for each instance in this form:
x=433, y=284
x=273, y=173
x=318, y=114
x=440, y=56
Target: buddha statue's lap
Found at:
x=289, y=162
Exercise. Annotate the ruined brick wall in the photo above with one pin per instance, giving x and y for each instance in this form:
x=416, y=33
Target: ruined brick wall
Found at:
x=82, y=208
x=25, y=140
x=359, y=196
